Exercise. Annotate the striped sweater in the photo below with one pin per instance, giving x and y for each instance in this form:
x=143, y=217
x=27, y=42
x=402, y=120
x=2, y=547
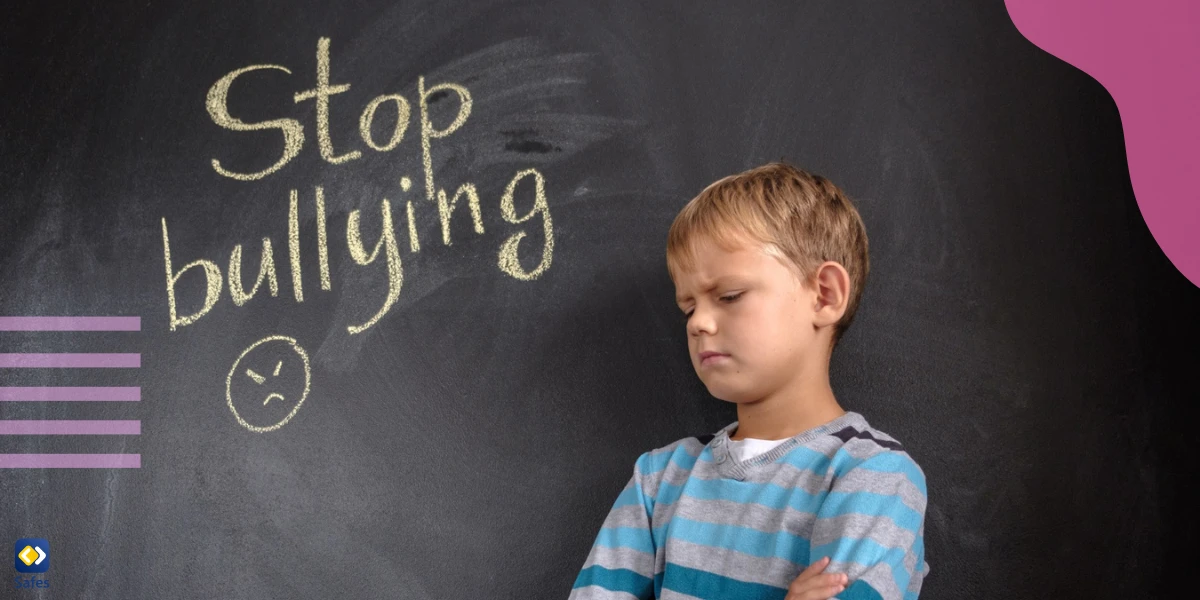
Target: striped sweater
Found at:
x=693, y=522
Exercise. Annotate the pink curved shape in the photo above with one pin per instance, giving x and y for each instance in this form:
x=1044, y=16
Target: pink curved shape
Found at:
x=1146, y=53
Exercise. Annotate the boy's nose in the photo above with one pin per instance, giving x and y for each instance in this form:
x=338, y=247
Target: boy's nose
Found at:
x=702, y=321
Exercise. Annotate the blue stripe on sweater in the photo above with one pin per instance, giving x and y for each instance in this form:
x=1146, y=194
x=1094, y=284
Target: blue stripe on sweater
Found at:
x=636, y=538
x=617, y=580
x=703, y=584
x=630, y=495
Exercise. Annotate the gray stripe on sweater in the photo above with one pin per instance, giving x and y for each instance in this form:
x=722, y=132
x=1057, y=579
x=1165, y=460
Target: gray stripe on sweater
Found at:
x=621, y=558
x=595, y=592
x=790, y=476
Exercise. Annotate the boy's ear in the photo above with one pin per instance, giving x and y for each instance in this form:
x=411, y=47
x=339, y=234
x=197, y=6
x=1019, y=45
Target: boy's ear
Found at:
x=832, y=286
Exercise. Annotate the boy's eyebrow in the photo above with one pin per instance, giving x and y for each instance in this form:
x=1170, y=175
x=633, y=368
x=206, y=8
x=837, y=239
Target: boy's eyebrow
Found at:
x=679, y=299
x=714, y=285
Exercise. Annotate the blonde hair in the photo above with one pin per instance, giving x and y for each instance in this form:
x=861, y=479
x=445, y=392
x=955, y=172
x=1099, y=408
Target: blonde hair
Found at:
x=801, y=218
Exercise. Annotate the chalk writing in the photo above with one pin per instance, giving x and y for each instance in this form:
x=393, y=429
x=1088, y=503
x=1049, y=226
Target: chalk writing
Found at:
x=380, y=230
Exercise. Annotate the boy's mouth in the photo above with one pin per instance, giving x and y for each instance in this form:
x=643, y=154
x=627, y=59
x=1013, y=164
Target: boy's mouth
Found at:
x=708, y=358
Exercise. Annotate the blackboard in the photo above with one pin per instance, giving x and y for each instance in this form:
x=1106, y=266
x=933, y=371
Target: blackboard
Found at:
x=477, y=392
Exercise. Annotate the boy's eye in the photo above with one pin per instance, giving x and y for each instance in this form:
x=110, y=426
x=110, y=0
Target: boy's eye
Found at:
x=726, y=298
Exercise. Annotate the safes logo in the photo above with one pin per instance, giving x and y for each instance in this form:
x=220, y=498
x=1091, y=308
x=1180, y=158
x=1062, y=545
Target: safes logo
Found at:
x=32, y=555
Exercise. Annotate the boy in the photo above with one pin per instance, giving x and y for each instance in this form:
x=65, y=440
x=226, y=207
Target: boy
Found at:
x=798, y=498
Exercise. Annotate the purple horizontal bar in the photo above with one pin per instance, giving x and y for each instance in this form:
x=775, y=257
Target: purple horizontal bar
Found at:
x=70, y=461
x=16, y=361
x=70, y=323
x=60, y=427
x=70, y=394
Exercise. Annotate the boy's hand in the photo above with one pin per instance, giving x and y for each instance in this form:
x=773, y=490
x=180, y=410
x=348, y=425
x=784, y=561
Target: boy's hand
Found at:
x=812, y=584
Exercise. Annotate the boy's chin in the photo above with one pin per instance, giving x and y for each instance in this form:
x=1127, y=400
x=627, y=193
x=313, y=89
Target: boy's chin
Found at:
x=732, y=395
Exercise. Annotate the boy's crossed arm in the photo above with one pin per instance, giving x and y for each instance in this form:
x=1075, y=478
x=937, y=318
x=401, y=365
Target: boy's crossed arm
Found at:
x=621, y=561
x=872, y=525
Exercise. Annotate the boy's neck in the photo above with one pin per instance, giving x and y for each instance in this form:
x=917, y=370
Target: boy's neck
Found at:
x=789, y=412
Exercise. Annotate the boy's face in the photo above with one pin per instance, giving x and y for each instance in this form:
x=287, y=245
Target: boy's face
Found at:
x=752, y=310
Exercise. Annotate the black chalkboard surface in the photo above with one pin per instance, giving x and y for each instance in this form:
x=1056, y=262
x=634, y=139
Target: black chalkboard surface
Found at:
x=396, y=318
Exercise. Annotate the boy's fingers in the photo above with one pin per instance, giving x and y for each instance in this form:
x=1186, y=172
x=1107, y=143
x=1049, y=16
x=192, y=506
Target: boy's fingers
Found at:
x=817, y=584
x=815, y=568
x=830, y=592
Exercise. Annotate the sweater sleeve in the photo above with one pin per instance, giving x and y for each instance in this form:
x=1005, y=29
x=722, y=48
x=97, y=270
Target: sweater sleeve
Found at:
x=621, y=561
x=872, y=525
